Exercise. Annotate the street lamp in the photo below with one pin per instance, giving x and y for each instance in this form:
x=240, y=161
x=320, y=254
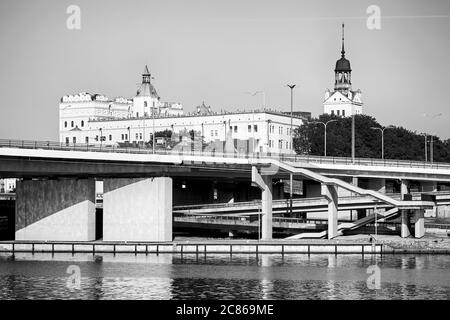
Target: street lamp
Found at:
x=431, y=140
x=153, y=129
x=426, y=152
x=291, y=178
x=325, y=126
x=101, y=137
x=382, y=138
x=292, y=86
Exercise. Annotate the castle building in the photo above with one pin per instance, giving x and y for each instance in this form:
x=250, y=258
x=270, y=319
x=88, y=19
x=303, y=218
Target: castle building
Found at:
x=94, y=119
x=343, y=101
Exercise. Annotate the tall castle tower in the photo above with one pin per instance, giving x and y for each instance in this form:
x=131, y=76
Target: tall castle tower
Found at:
x=342, y=101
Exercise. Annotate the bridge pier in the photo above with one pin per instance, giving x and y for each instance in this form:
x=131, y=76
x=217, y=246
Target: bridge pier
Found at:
x=405, y=232
x=331, y=194
x=419, y=224
x=264, y=182
x=55, y=210
x=137, y=209
x=405, y=222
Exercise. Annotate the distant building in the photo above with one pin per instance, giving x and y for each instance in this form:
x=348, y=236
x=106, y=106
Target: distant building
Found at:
x=343, y=101
x=95, y=119
x=7, y=185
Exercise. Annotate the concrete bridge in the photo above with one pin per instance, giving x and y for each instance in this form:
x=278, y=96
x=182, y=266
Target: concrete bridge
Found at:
x=56, y=196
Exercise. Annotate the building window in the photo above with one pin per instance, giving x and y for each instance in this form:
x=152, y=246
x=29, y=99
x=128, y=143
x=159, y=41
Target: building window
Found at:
x=67, y=140
x=123, y=137
x=71, y=124
x=145, y=104
x=287, y=145
x=82, y=123
x=137, y=136
x=338, y=112
x=126, y=136
x=74, y=139
x=137, y=114
x=332, y=112
x=255, y=128
x=87, y=139
x=235, y=129
x=212, y=133
x=110, y=137
x=65, y=124
x=216, y=133
x=140, y=136
x=96, y=138
x=343, y=113
x=249, y=128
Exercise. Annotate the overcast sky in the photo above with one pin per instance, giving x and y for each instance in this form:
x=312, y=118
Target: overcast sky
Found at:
x=214, y=51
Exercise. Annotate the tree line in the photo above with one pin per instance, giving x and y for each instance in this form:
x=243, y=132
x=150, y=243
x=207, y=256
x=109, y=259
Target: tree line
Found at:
x=399, y=143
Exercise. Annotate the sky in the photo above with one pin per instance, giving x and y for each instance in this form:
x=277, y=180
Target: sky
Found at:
x=216, y=51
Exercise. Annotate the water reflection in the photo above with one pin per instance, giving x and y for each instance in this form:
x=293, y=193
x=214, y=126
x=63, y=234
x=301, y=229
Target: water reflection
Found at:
x=222, y=276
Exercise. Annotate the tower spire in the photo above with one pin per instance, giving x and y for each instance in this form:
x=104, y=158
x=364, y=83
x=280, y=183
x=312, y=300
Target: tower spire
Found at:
x=343, y=50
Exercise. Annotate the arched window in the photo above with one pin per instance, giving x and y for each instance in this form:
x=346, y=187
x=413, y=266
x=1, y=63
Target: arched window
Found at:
x=71, y=124
x=82, y=123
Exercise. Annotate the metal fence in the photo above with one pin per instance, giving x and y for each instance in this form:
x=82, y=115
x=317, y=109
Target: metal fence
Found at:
x=186, y=150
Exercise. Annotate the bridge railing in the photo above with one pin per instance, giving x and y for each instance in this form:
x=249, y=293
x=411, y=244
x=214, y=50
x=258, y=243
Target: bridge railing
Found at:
x=186, y=150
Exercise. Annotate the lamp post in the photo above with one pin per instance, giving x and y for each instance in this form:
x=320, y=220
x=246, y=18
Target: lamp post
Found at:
x=431, y=140
x=426, y=151
x=325, y=135
x=153, y=129
x=291, y=177
x=353, y=136
x=292, y=86
x=382, y=138
x=101, y=137
x=431, y=148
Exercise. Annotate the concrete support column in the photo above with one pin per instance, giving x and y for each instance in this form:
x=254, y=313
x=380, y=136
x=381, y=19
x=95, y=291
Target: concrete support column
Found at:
x=264, y=182
x=331, y=194
x=137, y=209
x=405, y=232
x=404, y=189
x=419, y=224
x=266, y=200
x=55, y=210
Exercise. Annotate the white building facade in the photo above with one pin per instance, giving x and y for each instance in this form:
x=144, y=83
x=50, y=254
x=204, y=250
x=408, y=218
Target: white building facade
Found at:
x=343, y=101
x=95, y=119
x=7, y=185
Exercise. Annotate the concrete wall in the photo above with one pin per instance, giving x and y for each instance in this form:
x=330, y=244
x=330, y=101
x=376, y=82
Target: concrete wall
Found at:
x=59, y=210
x=137, y=209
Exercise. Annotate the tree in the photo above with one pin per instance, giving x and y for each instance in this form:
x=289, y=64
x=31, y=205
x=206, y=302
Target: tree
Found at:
x=399, y=143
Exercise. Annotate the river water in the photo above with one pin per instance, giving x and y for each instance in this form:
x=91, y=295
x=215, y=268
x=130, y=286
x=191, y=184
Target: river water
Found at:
x=168, y=276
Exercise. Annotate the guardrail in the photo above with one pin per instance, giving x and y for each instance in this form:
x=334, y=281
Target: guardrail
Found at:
x=141, y=149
